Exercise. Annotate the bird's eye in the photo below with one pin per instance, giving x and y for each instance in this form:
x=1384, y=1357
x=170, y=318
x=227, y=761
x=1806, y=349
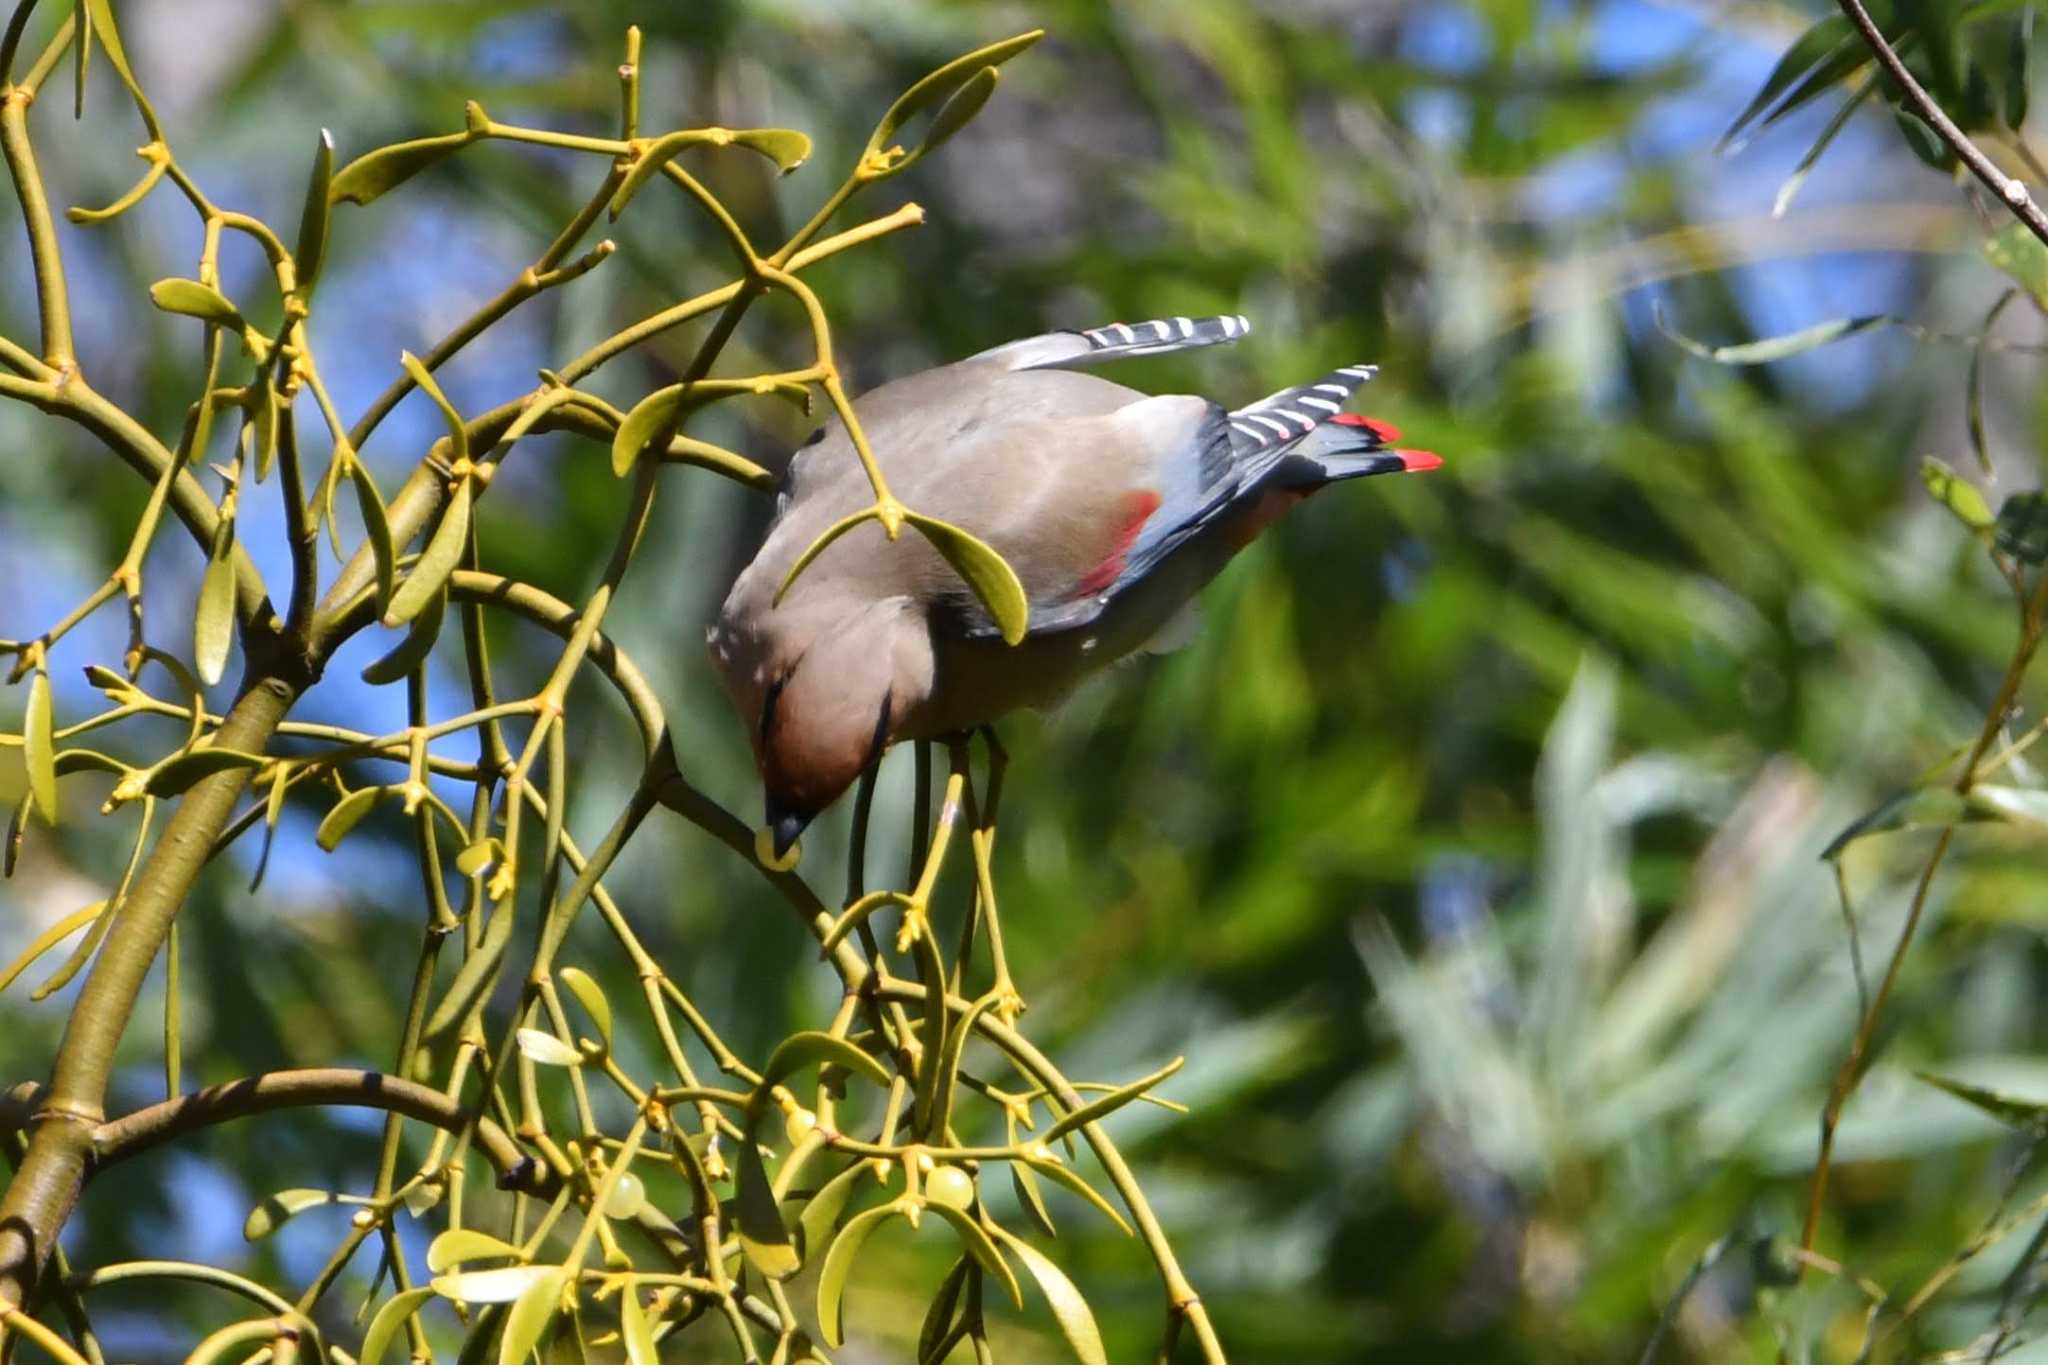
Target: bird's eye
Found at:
x=813, y=439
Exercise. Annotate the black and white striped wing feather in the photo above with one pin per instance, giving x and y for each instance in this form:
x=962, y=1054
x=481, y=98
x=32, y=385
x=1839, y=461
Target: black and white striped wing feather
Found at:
x=1116, y=341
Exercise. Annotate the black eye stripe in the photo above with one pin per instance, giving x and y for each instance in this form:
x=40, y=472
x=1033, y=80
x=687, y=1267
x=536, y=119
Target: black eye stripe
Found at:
x=768, y=700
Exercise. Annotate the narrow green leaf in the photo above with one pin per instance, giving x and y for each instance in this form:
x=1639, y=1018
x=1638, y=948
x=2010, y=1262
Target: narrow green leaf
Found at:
x=213, y=622
x=939, y=1316
x=1921, y=138
x=1110, y=1102
x=530, y=1315
x=389, y=1322
x=376, y=528
x=988, y=573
x=2029, y=1116
x=175, y=775
x=48, y=939
x=763, y=1236
x=108, y=37
x=1956, y=493
x=1077, y=1322
x=275, y=1211
x=839, y=1261
x=960, y=107
x=941, y=84
x=821, y=1211
x=195, y=300
x=436, y=563
x=2028, y=804
x=412, y=651
x=947, y=1075
x=2020, y=255
x=1806, y=52
x=1974, y=386
x=81, y=954
x=634, y=1329
x=259, y=434
x=978, y=1245
x=457, y=1245
x=313, y=218
x=1907, y=810
x=537, y=1045
x=2021, y=529
x=378, y=173
x=650, y=418
x=503, y=1285
x=1775, y=348
x=17, y=833
x=39, y=746
x=591, y=996
x=786, y=147
x=273, y=808
x=458, y=434
x=1024, y=1181
x=812, y=1048
x=346, y=815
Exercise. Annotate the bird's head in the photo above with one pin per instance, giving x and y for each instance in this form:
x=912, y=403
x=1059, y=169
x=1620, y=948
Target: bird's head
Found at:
x=823, y=687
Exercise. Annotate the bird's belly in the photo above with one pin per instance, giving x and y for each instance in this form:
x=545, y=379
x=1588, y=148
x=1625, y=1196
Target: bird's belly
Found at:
x=976, y=680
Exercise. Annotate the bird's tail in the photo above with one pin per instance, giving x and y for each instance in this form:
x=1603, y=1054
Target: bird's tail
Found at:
x=1300, y=437
x=1349, y=446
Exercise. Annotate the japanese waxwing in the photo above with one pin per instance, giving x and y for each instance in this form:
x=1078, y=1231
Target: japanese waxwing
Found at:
x=1113, y=507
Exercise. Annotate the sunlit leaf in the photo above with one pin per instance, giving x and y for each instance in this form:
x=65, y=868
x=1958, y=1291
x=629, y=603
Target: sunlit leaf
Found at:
x=48, y=939
x=176, y=775
x=379, y=172
x=988, y=573
x=346, y=815
x=39, y=746
x=938, y=1317
x=1077, y=1321
x=2029, y=804
x=195, y=300
x=960, y=107
x=436, y=563
x=530, y=1315
x=457, y=1245
x=502, y=1285
x=839, y=1262
x=634, y=1329
x=268, y=1216
x=389, y=1322
x=311, y=252
x=763, y=1236
x=1808, y=50
x=376, y=529
x=940, y=84
x=592, y=998
x=812, y=1048
x=1109, y=1103
x=978, y=1245
x=213, y=621
x=821, y=1211
x=540, y=1046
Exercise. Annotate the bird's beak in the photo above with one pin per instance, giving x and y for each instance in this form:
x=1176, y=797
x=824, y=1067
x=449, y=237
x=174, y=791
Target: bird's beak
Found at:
x=785, y=824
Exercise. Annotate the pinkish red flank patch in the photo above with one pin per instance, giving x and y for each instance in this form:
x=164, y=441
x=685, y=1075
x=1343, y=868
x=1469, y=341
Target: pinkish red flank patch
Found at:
x=1137, y=510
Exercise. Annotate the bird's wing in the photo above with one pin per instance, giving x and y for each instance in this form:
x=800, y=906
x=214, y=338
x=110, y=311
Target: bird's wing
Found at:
x=1116, y=341
x=1192, y=462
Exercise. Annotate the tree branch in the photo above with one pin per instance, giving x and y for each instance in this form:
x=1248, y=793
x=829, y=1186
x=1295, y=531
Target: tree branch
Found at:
x=2008, y=188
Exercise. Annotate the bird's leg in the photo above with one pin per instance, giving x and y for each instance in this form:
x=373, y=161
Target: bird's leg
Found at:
x=982, y=837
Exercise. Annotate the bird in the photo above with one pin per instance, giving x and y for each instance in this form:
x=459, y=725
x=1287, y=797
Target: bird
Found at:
x=1114, y=508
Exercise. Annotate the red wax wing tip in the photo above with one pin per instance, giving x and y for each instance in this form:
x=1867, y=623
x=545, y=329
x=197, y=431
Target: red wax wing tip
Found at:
x=1416, y=461
x=1386, y=431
